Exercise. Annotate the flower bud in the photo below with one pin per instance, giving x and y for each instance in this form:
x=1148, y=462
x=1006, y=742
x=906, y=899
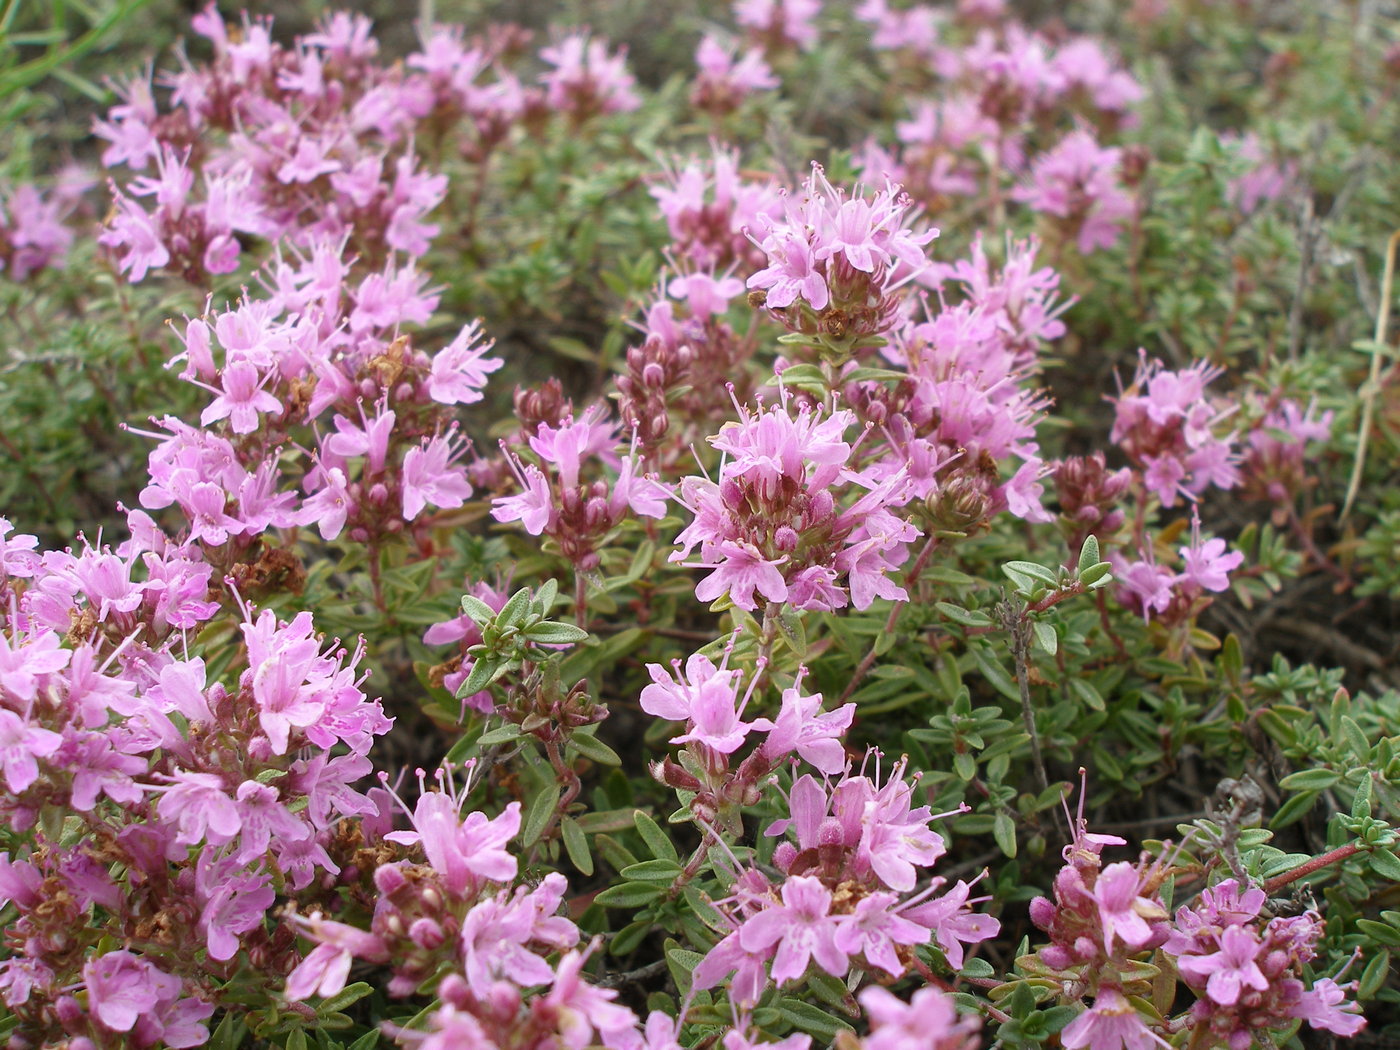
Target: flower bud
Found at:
x=388, y=879
x=426, y=933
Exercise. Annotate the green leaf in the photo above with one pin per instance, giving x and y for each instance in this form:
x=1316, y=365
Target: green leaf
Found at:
x=548, y=632
x=500, y=735
x=1031, y=569
x=576, y=845
x=665, y=871
x=1310, y=780
x=514, y=611
x=1004, y=831
x=593, y=749
x=966, y=617
x=682, y=964
x=545, y=597
x=811, y=1019
x=230, y=1034
x=1385, y=864
x=483, y=673
x=1096, y=576
x=1087, y=693
x=1045, y=637
x=626, y=940
x=477, y=609
x=539, y=812
x=1373, y=977
x=657, y=840
x=1382, y=932
x=1089, y=553
x=629, y=895
x=345, y=997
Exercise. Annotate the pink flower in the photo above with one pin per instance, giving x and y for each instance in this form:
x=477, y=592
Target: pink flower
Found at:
x=459, y=371
x=534, y=507
x=705, y=698
x=123, y=987
x=324, y=971
x=201, y=809
x=874, y=928
x=20, y=744
x=743, y=572
x=1326, y=1006
x=1110, y=1024
x=801, y=726
x=1227, y=972
x=579, y=1008
x=465, y=852
x=748, y=966
x=929, y=1021
x=1116, y=893
x=586, y=79
x=330, y=505
x=802, y=927
x=265, y=821
x=430, y=476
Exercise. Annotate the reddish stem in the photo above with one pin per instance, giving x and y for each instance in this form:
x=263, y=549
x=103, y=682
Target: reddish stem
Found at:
x=1305, y=869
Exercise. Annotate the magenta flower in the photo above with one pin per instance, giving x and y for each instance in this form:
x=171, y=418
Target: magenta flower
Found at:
x=123, y=987
x=429, y=476
x=265, y=821
x=1110, y=1024
x=232, y=902
x=324, y=971
x=241, y=399
x=1227, y=972
x=200, y=808
x=801, y=726
x=874, y=928
x=578, y=1008
x=20, y=744
x=465, y=852
x=459, y=371
x=705, y=697
x=929, y=1021
x=1326, y=1007
x=802, y=927
x=748, y=966
x=1120, y=906
x=743, y=572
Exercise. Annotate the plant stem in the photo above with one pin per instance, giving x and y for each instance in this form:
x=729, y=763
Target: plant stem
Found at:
x=1020, y=652
x=1305, y=869
x=863, y=668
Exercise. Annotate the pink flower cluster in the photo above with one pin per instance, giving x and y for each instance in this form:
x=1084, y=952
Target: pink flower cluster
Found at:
x=848, y=893
x=33, y=235
x=835, y=263
x=1170, y=429
x=965, y=408
x=1176, y=597
x=314, y=143
x=555, y=499
x=724, y=80
x=321, y=345
x=195, y=795
x=1244, y=967
x=1002, y=86
x=708, y=206
x=1077, y=183
x=772, y=527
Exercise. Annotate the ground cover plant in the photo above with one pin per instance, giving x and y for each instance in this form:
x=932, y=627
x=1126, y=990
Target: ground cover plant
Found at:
x=772, y=525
